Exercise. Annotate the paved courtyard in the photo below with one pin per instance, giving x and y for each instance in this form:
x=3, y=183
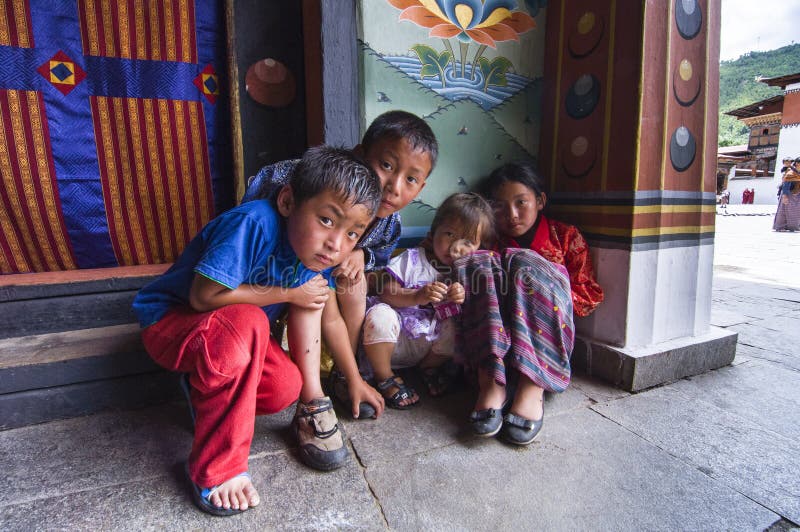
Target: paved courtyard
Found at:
x=720, y=451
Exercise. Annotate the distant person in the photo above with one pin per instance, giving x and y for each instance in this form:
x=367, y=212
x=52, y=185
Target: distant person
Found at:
x=787, y=217
x=724, y=199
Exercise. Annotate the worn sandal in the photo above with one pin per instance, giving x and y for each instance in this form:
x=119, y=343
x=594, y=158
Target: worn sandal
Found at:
x=202, y=497
x=403, y=393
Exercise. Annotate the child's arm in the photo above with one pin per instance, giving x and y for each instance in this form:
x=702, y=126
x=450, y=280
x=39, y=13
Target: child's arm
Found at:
x=334, y=332
x=351, y=268
x=391, y=293
x=381, y=247
x=586, y=292
x=206, y=294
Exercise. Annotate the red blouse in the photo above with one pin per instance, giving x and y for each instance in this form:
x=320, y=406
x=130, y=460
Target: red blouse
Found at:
x=563, y=244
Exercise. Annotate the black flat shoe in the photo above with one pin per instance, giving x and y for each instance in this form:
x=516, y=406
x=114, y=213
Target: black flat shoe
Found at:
x=518, y=430
x=486, y=423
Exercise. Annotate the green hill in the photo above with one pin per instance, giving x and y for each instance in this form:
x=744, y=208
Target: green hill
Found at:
x=738, y=86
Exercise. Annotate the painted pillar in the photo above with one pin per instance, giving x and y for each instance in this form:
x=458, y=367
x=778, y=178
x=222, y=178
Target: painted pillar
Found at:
x=789, y=144
x=629, y=139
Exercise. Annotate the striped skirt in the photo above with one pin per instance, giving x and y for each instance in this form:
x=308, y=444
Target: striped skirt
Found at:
x=517, y=313
x=787, y=217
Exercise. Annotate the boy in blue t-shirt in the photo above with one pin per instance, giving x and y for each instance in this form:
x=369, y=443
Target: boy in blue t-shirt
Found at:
x=210, y=316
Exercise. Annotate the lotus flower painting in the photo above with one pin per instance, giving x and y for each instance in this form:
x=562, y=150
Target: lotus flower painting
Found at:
x=457, y=66
x=472, y=69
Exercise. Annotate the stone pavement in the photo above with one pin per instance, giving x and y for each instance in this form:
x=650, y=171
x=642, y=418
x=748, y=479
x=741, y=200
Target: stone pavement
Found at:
x=719, y=451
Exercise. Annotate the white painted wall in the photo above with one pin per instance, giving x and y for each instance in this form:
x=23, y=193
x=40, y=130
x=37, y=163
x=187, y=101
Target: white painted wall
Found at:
x=766, y=189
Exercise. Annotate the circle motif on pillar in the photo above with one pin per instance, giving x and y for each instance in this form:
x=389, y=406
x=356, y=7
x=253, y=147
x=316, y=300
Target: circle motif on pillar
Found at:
x=688, y=17
x=580, y=158
x=682, y=149
x=270, y=83
x=685, y=85
x=590, y=32
x=582, y=97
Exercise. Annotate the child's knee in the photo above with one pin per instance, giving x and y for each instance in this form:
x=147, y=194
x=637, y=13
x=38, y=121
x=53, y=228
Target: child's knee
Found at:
x=381, y=325
x=231, y=344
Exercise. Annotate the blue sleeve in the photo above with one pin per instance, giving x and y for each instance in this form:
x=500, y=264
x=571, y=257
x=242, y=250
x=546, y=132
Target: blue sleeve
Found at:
x=378, y=251
x=236, y=248
x=268, y=179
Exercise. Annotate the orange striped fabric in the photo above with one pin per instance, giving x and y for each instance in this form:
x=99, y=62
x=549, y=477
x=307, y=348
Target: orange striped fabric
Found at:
x=153, y=160
x=15, y=24
x=139, y=29
x=33, y=237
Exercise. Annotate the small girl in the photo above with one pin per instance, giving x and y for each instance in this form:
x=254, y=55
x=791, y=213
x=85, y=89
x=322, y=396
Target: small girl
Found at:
x=521, y=315
x=410, y=323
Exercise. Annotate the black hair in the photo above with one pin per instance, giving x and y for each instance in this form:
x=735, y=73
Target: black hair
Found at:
x=796, y=160
x=472, y=212
x=402, y=124
x=338, y=170
x=523, y=173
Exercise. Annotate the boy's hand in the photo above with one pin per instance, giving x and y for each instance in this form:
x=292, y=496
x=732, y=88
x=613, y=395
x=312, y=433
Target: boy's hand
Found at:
x=431, y=293
x=352, y=267
x=311, y=295
x=456, y=293
x=361, y=392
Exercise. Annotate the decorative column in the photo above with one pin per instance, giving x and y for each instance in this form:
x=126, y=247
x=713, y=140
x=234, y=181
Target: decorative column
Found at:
x=629, y=140
x=790, y=119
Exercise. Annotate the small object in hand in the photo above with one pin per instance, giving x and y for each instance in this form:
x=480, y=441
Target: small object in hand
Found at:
x=445, y=310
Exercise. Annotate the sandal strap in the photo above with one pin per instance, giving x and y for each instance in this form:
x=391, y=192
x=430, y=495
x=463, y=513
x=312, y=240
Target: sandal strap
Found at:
x=404, y=391
x=392, y=381
x=206, y=493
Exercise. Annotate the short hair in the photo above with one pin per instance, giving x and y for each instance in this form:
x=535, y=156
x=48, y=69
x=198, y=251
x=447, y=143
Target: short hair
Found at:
x=399, y=124
x=796, y=160
x=472, y=212
x=520, y=172
x=338, y=170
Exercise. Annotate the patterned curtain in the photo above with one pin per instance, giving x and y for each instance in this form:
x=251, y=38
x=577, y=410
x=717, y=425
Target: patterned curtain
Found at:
x=113, y=137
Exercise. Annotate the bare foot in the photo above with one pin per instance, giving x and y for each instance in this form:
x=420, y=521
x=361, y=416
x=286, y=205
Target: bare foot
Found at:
x=528, y=400
x=491, y=394
x=237, y=493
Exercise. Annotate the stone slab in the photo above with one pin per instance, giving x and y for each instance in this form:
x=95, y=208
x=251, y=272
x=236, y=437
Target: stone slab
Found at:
x=742, y=454
x=789, y=361
x=435, y=422
x=292, y=498
x=638, y=368
x=761, y=392
x=595, y=389
x=785, y=342
x=583, y=472
x=723, y=317
x=785, y=324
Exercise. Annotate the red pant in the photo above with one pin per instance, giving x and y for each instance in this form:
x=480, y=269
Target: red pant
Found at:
x=237, y=370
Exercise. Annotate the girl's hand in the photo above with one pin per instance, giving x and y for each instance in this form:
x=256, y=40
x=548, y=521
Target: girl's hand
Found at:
x=361, y=392
x=312, y=295
x=456, y=293
x=431, y=293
